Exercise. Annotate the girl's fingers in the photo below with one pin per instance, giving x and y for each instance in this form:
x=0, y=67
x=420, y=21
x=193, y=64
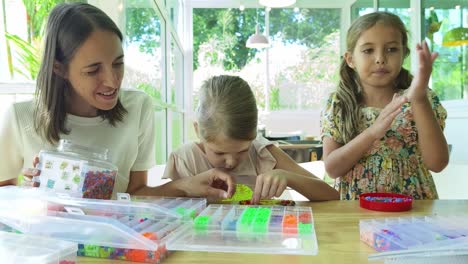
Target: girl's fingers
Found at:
x=274, y=187
x=394, y=114
x=266, y=189
x=280, y=189
x=395, y=104
x=258, y=190
x=434, y=56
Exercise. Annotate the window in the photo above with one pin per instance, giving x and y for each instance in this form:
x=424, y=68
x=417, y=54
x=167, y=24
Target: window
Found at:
x=301, y=65
x=144, y=47
x=304, y=57
x=302, y=60
x=450, y=73
x=176, y=102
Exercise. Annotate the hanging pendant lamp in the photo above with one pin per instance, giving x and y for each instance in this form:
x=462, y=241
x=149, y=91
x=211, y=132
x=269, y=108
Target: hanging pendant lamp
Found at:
x=257, y=40
x=456, y=37
x=277, y=3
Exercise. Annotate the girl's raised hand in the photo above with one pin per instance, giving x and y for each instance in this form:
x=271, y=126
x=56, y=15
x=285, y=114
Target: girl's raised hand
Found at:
x=269, y=185
x=418, y=88
x=386, y=116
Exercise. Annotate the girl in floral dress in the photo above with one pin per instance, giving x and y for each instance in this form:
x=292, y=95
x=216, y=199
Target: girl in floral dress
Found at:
x=382, y=129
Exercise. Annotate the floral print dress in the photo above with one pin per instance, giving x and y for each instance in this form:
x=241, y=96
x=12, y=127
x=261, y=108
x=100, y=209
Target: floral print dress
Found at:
x=393, y=163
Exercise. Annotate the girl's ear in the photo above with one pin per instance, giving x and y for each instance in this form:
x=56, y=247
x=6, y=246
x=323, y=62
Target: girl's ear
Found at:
x=349, y=59
x=60, y=70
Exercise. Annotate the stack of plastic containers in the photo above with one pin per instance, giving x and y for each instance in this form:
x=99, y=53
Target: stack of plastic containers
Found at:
x=107, y=229
x=429, y=239
x=28, y=249
x=249, y=229
x=142, y=229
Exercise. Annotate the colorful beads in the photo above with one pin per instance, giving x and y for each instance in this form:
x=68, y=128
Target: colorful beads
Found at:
x=270, y=202
x=186, y=213
x=387, y=199
x=136, y=255
x=201, y=222
x=290, y=224
x=243, y=192
x=305, y=218
x=99, y=184
x=260, y=223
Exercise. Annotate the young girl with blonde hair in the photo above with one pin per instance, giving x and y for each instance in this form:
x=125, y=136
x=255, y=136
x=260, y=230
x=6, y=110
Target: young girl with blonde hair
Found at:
x=227, y=128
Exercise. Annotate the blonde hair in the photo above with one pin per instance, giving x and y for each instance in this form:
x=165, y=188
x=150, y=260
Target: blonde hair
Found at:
x=227, y=107
x=349, y=92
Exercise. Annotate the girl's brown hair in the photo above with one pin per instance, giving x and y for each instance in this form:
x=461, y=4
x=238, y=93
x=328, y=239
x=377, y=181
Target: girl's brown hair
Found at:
x=68, y=27
x=227, y=107
x=349, y=92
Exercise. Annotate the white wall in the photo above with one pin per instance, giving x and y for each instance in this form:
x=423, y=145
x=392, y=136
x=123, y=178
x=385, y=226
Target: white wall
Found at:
x=452, y=183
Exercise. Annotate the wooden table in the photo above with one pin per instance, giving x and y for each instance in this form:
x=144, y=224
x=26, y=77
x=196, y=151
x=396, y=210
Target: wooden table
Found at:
x=337, y=228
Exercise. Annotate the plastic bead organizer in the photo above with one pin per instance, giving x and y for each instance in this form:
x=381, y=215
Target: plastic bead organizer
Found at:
x=249, y=229
x=187, y=208
x=107, y=229
x=402, y=233
x=27, y=249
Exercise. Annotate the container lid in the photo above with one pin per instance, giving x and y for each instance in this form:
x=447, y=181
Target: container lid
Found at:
x=28, y=249
x=386, y=202
x=248, y=229
x=426, y=239
x=86, y=221
x=187, y=208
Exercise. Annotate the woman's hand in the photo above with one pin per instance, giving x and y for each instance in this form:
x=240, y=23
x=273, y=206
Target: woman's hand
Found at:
x=269, y=185
x=213, y=183
x=31, y=175
x=417, y=92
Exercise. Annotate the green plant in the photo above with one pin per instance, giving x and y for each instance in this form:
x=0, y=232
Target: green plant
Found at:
x=274, y=98
x=158, y=101
x=28, y=57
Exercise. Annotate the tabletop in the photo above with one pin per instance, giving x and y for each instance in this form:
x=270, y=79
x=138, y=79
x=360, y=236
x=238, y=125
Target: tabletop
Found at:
x=337, y=229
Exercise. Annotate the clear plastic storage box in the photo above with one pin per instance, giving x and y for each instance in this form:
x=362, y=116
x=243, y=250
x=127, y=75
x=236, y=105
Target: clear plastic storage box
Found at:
x=427, y=239
x=187, y=208
x=122, y=230
x=248, y=229
x=29, y=249
x=82, y=170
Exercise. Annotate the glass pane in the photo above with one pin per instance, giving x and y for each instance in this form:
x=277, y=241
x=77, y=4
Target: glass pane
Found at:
x=298, y=80
x=176, y=77
x=177, y=130
x=21, y=33
x=361, y=7
x=144, y=60
x=219, y=37
x=161, y=137
x=450, y=73
x=304, y=77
